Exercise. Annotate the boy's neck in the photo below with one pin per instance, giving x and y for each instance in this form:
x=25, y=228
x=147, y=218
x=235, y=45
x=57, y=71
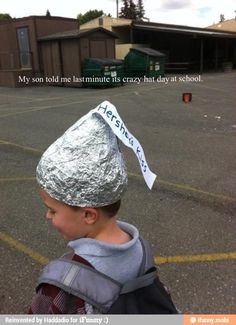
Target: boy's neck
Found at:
x=111, y=233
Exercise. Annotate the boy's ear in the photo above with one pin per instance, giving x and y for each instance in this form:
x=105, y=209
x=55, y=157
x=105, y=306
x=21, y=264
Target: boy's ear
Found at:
x=91, y=215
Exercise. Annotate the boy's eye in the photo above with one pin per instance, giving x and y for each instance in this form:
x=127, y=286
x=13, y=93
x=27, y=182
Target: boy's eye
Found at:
x=51, y=211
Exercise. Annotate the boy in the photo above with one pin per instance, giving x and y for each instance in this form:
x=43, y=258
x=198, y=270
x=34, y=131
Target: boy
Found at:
x=82, y=177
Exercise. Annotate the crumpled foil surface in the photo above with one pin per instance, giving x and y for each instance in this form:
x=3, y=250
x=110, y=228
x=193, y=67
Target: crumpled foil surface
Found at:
x=84, y=167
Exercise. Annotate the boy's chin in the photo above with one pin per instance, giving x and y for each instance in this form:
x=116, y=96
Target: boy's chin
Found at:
x=70, y=238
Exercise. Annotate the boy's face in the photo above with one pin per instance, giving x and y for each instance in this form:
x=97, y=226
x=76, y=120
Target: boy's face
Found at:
x=70, y=222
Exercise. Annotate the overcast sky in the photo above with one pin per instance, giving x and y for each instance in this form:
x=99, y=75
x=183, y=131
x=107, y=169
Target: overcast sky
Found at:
x=199, y=13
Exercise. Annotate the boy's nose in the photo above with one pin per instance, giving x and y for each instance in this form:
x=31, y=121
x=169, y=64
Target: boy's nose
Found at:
x=48, y=214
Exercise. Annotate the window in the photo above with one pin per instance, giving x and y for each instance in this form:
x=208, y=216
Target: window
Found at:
x=24, y=47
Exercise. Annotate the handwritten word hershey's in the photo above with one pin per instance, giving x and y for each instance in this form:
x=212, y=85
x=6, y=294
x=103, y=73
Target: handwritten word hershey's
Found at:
x=111, y=116
x=117, y=122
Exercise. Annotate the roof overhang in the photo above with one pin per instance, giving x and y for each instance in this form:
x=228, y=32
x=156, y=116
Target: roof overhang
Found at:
x=76, y=33
x=166, y=28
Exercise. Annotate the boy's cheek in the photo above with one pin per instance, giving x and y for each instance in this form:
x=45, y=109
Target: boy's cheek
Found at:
x=56, y=226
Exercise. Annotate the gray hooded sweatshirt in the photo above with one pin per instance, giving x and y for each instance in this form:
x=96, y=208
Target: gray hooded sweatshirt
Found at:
x=120, y=262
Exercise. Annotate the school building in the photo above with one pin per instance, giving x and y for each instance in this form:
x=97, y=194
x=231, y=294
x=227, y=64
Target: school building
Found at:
x=39, y=46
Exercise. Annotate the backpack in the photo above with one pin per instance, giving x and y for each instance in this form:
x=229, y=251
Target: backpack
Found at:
x=144, y=294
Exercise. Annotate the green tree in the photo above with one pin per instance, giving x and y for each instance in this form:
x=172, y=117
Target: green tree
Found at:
x=5, y=17
x=48, y=14
x=124, y=11
x=140, y=12
x=89, y=15
x=222, y=18
x=132, y=10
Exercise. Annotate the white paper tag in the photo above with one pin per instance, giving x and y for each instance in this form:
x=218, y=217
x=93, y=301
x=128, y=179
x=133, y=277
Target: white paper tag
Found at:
x=111, y=116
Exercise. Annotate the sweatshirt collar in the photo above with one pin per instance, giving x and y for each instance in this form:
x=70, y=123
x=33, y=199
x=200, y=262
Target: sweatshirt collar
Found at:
x=93, y=246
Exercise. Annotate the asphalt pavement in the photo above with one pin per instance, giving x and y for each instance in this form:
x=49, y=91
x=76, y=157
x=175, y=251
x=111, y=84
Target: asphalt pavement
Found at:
x=188, y=216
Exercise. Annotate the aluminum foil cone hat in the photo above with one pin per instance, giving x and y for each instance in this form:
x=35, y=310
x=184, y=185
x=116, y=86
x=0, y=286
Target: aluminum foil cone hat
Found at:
x=84, y=167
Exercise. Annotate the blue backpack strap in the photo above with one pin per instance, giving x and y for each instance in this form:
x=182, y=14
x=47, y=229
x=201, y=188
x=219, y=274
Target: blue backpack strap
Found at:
x=82, y=281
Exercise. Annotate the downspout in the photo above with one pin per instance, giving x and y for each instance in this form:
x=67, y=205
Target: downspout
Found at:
x=61, y=60
x=216, y=54
x=201, y=55
x=131, y=33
